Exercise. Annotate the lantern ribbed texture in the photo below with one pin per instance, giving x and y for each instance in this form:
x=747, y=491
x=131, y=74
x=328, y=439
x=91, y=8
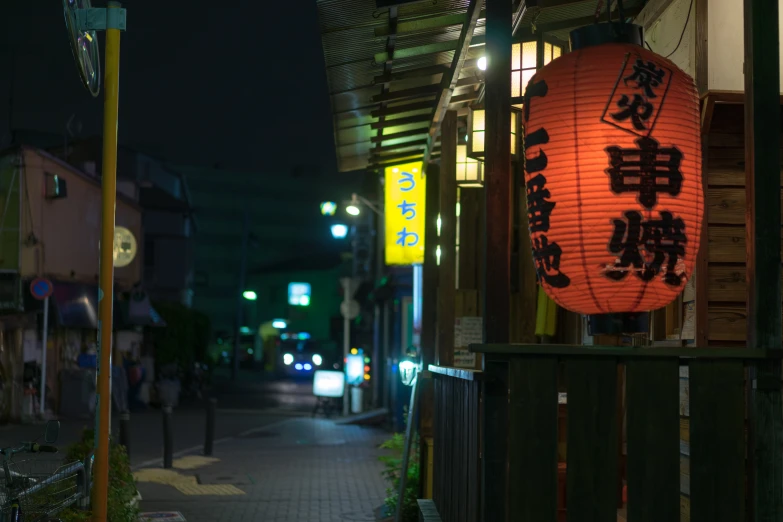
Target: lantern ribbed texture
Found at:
x=613, y=175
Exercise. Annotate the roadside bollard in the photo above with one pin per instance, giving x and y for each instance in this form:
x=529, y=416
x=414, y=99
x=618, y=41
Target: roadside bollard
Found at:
x=168, y=438
x=209, y=438
x=125, y=431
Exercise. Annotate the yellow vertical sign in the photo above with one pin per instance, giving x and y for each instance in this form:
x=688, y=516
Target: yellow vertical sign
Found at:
x=405, y=187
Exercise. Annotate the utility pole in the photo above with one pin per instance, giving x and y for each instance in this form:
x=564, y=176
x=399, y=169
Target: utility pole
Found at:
x=240, y=289
x=114, y=19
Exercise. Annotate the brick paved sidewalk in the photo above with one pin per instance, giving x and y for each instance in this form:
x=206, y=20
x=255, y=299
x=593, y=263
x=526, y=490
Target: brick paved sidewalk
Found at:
x=297, y=470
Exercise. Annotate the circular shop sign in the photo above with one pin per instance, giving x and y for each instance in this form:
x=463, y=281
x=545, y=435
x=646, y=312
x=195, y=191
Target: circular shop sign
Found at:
x=124, y=247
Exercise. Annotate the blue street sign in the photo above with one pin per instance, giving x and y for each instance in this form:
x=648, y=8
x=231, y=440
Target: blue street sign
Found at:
x=41, y=288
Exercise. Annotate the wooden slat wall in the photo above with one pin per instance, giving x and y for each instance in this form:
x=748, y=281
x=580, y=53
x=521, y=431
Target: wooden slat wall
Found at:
x=725, y=209
x=726, y=273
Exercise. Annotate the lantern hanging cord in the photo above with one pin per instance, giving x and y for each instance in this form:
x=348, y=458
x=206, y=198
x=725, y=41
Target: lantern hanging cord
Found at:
x=682, y=34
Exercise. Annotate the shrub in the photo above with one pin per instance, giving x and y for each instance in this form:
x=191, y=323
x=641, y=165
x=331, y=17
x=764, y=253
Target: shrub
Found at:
x=122, y=486
x=392, y=473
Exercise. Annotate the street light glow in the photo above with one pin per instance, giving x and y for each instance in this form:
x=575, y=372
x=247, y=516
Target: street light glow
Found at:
x=250, y=295
x=339, y=231
x=328, y=208
x=353, y=210
x=482, y=63
x=279, y=324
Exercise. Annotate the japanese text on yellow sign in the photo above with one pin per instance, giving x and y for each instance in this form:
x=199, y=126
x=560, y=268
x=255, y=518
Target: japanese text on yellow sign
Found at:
x=405, y=187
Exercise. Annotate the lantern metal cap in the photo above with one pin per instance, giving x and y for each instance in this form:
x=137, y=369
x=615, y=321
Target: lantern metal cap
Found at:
x=604, y=33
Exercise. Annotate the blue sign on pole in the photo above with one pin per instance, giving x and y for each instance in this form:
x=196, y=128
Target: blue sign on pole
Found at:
x=41, y=288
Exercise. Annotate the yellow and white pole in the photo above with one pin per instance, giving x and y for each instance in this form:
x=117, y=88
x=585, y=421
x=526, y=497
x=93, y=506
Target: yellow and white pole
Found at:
x=100, y=490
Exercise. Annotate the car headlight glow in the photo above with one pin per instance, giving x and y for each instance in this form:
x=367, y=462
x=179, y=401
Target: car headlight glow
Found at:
x=317, y=359
x=288, y=359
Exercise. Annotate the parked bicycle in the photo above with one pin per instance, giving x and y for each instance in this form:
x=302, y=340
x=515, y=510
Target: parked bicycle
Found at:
x=36, y=489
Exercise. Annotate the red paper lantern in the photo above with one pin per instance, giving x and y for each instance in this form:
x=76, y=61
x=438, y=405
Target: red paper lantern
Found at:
x=613, y=174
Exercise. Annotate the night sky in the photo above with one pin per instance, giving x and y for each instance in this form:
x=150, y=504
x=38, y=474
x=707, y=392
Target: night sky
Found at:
x=239, y=87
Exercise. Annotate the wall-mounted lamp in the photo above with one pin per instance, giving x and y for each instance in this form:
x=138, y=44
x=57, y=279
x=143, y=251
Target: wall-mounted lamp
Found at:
x=469, y=170
x=477, y=133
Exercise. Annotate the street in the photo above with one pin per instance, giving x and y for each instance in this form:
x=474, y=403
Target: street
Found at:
x=252, y=403
x=271, y=460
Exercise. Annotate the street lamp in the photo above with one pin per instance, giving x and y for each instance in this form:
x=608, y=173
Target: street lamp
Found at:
x=339, y=231
x=279, y=324
x=354, y=206
x=250, y=295
x=482, y=63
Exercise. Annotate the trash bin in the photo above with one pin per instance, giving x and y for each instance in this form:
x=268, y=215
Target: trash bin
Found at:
x=356, y=399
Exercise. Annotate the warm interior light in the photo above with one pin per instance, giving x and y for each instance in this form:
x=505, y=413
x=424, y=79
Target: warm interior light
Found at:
x=482, y=63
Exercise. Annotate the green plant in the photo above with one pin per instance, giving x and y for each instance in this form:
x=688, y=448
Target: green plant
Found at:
x=392, y=473
x=122, y=486
x=184, y=339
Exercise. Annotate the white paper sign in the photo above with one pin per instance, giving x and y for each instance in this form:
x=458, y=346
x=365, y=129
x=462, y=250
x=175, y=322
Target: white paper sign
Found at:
x=467, y=331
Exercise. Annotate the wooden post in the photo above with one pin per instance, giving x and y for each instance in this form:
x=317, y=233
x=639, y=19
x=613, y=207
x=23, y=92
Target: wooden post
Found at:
x=498, y=179
x=447, y=277
x=429, y=295
x=429, y=301
x=471, y=202
x=762, y=171
x=525, y=300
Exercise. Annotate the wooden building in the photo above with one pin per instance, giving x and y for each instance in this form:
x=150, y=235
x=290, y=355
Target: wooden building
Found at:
x=684, y=419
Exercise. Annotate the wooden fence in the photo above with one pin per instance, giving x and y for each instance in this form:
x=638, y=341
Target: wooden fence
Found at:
x=496, y=434
x=456, y=487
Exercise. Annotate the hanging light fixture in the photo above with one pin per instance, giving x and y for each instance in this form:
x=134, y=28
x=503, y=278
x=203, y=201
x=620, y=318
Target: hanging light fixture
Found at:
x=469, y=170
x=527, y=56
x=613, y=174
x=477, y=133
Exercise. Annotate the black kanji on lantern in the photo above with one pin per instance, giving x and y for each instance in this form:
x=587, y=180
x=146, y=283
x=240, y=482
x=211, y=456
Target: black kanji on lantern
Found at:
x=546, y=255
x=638, y=95
x=637, y=110
x=646, y=170
x=646, y=76
x=534, y=90
x=547, y=258
x=538, y=208
x=662, y=240
x=533, y=139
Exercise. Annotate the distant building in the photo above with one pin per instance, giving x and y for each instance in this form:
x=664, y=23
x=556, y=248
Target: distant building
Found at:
x=50, y=226
x=168, y=217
